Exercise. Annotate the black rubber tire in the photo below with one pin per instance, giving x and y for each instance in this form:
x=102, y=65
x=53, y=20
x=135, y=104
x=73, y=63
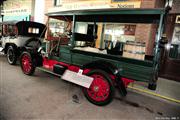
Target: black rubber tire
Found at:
x=11, y=55
x=33, y=67
x=112, y=89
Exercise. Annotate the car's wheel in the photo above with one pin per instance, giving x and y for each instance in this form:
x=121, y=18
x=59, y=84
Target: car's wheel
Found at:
x=101, y=91
x=26, y=62
x=11, y=55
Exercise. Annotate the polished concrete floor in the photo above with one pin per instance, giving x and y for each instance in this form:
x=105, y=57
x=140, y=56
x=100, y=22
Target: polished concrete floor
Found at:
x=46, y=97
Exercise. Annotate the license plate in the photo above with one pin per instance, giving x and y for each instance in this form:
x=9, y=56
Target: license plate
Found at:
x=77, y=78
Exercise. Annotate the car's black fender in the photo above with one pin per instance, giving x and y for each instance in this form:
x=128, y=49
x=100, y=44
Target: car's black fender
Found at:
x=37, y=57
x=13, y=45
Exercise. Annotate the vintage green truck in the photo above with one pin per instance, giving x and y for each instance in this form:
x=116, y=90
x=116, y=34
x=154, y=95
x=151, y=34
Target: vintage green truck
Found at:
x=78, y=49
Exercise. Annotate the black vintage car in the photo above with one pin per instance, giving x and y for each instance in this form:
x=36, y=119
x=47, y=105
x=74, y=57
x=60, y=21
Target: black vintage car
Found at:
x=17, y=36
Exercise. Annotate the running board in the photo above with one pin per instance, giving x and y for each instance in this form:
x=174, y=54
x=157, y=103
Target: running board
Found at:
x=48, y=71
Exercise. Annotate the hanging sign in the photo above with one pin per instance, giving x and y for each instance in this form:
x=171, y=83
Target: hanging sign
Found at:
x=126, y=4
x=17, y=7
x=96, y=4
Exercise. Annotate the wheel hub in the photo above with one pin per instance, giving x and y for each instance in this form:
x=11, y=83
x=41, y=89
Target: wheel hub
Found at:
x=99, y=89
x=96, y=88
x=25, y=62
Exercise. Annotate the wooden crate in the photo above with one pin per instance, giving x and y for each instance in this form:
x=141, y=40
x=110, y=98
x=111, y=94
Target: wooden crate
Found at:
x=135, y=50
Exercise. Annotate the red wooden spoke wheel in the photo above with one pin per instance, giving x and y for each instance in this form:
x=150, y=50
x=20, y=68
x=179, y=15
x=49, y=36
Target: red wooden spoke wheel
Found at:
x=101, y=91
x=27, y=63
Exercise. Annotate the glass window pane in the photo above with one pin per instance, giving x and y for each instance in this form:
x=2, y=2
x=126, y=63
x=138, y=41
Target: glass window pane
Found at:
x=57, y=2
x=174, y=51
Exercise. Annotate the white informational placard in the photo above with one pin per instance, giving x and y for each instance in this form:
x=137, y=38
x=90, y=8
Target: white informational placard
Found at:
x=77, y=78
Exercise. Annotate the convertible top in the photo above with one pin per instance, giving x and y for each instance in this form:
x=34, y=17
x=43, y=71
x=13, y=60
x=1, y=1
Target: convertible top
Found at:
x=23, y=27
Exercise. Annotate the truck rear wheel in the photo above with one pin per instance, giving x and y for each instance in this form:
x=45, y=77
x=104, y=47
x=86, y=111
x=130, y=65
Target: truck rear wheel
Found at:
x=26, y=62
x=101, y=91
x=11, y=55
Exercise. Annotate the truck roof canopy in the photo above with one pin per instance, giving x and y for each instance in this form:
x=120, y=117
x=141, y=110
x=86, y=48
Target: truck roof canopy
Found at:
x=111, y=15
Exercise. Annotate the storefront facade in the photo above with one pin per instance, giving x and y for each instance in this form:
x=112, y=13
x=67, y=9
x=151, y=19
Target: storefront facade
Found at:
x=171, y=57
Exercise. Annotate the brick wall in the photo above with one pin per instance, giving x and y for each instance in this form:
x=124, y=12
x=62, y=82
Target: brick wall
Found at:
x=146, y=32
x=160, y=4
x=143, y=31
x=175, y=7
x=143, y=34
x=148, y=3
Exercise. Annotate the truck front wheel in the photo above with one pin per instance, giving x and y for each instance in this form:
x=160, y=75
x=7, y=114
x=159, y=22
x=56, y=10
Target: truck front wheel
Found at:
x=26, y=62
x=11, y=55
x=101, y=91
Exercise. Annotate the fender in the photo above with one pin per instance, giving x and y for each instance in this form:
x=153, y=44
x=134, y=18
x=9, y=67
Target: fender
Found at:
x=109, y=68
x=7, y=45
x=37, y=57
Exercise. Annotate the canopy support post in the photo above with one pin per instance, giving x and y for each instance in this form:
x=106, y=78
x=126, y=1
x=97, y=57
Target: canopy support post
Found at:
x=73, y=30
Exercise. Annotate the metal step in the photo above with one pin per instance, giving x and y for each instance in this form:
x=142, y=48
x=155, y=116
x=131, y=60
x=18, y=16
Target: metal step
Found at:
x=48, y=71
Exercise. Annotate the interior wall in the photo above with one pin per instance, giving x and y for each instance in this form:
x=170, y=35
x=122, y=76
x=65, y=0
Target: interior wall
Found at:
x=39, y=11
